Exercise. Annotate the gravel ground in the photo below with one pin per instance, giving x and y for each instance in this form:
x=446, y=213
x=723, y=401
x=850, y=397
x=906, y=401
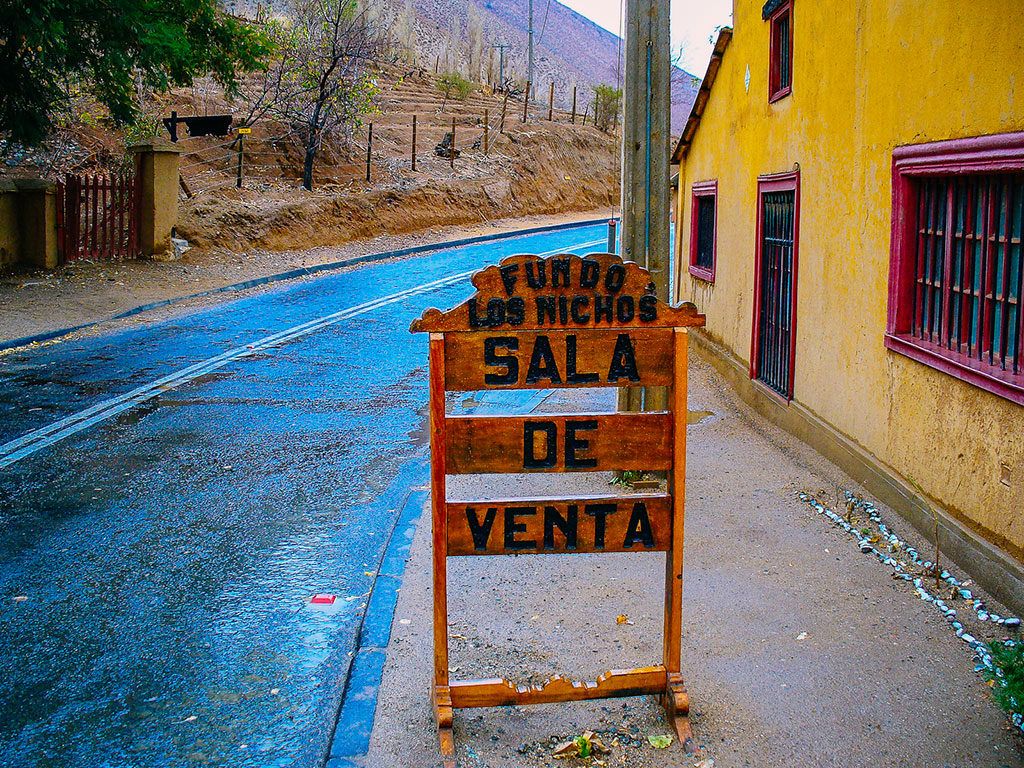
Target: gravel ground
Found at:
x=85, y=292
x=798, y=650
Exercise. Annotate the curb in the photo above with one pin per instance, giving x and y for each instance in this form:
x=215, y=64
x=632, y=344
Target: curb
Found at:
x=354, y=724
x=357, y=712
x=300, y=272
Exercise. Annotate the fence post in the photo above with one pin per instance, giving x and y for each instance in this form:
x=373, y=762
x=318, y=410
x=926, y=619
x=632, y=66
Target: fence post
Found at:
x=451, y=155
x=574, y=105
x=526, y=101
x=487, y=127
x=369, y=149
x=238, y=174
x=551, y=101
x=504, y=105
x=156, y=174
x=414, y=142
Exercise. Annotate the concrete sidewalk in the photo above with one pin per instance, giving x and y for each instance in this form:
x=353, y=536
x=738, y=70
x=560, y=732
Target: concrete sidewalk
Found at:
x=798, y=650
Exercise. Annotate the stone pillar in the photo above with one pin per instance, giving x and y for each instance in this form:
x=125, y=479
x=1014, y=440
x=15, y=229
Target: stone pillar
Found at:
x=10, y=237
x=156, y=172
x=37, y=222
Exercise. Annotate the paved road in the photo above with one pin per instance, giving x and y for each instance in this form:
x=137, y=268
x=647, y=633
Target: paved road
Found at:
x=171, y=496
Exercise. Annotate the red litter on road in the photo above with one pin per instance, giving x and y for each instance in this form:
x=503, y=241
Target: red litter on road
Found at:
x=324, y=599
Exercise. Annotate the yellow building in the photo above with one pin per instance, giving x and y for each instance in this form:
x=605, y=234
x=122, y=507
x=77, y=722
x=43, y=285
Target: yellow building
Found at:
x=850, y=206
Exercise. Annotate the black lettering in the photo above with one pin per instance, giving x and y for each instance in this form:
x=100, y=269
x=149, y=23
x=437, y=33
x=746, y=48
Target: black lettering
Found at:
x=615, y=278
x=536, y=274
x=599, y=512
x=590, y=273
x=573, y=444
x=568, y=525
x=508, y=277
x=545, y=308
x=648, y=309
x=572, y=376
x=602, y=308
x=530, y=430
x=474, y=315
x=481, y=531
x=623, y=360
x=516, y=311
x=639, y=528
x=512, y=528
x=491, y=358
x=559, y=269
x=578, y=302
x=495, y=312
x=542, y=363
x=563, y=310
x=624, y=309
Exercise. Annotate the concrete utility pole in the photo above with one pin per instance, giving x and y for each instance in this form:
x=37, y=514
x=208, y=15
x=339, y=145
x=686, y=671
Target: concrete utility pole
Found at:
x=501, y=62
x=529, y=53
x=645, y=156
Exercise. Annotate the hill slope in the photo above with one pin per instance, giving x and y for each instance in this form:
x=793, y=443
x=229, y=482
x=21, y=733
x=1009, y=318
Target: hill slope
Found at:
x=569, y=48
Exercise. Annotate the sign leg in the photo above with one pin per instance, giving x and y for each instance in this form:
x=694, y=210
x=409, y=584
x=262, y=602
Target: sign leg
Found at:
x=442, y=700
x=675, y=699
x=441, y=693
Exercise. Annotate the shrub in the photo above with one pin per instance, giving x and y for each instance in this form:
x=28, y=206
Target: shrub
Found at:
x=1007, y=676
x=453, y=85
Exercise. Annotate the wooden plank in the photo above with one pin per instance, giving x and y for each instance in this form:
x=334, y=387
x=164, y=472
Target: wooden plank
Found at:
x=543, y=359
x=605, y=523
x=499, y=692
x=439, y=519
x=585, y=442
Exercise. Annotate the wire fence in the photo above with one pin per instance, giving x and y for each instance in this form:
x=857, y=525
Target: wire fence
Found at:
x=462, y=135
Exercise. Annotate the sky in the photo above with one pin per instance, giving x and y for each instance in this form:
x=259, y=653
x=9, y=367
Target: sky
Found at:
x=693, y=22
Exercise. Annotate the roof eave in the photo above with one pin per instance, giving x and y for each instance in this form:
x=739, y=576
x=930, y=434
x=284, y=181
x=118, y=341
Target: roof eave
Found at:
x=703, y=94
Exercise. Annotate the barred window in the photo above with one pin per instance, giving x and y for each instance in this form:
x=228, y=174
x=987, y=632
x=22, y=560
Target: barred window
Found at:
x=958, y=270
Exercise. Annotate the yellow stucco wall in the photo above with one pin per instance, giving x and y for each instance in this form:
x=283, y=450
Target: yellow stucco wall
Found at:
x=868, y=76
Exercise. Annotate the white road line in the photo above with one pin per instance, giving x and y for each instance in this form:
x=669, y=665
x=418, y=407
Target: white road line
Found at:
x=40, y=438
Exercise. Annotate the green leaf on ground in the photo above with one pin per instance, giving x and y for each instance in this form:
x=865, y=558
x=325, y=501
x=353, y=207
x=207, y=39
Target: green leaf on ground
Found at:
x=659, y=741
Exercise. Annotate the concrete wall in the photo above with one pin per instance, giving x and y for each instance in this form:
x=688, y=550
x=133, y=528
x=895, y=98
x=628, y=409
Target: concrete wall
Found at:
x=868, y=76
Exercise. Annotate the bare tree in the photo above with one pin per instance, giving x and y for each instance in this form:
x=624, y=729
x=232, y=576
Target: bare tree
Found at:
x=319, y=81
x=405, y=33
x=475, y=42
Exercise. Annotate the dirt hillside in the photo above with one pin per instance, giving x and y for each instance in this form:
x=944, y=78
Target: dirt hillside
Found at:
x=540, y=166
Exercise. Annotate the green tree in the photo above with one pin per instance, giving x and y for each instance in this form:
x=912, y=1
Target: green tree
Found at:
x=49, y=49
x=607, y=103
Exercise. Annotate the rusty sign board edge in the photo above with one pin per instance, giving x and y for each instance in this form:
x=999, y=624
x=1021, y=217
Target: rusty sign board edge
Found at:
x=564, y=291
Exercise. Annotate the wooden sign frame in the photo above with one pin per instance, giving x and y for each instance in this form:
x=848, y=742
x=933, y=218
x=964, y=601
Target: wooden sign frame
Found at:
x=567, y=309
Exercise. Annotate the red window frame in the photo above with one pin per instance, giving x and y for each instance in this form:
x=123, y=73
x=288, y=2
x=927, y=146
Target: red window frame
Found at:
x=994, y=154
x=700, y=190
x=776, y=182
x=777, y=91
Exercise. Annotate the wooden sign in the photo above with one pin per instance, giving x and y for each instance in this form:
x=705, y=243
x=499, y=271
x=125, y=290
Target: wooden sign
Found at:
x=538, y=323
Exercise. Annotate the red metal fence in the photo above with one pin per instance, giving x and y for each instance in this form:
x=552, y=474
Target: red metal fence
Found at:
x=98, y=217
